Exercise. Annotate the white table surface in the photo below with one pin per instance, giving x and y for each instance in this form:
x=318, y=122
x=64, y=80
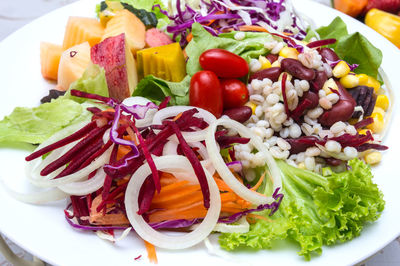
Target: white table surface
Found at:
x=17, y=13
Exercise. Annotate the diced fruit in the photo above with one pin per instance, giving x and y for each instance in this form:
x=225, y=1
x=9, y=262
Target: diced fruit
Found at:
x=382, y=101
x=80, y=30
x=126, y=22
x=50, y=59
x=373, y=157
x=73, y=63
x=114, y=55
x=166, y=62
x=155, y=38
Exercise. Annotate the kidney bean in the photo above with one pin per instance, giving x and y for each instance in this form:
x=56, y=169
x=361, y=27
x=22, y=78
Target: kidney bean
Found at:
x=272, y=73
x=296, y=69
x=333, y=161
x=341, y=111
x=313, y=97
x=319, y=81
x=329, y=54
x=240, y=114
x=272, y=57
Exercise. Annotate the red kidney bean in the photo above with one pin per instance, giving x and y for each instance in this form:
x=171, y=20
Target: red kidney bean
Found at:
x=319, y=81
x=272, y=73
x=333, y=161
x=272, y=57
x=313, y=97
x=296, y=69
x=329, y=54
x=240, y=114
x=341, y=111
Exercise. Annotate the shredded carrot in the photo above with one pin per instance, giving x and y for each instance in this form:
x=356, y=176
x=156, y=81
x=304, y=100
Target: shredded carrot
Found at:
x=260, y=217
x=189, y=37
x=259, y=182
x=151, y=252
x=177, y=117
x=252, y=28
x=100, y=218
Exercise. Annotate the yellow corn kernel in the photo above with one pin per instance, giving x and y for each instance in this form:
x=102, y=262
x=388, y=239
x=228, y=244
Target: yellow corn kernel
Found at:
x=362, y=79
x=363, y=131
x=330, y=84
x=382, y=101
x=373, y=157
x=379, y=111
x=378, y=124
x=289, y=52
x=265, y=63
x=276, y=64
x=341, y=69
x=372, y=82
x=349, y=81
x=252, y=106
x=301, y=166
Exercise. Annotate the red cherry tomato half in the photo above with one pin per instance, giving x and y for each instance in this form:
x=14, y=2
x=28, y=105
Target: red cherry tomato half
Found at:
x=235, y=93
x=224, y=63
x=206, y=92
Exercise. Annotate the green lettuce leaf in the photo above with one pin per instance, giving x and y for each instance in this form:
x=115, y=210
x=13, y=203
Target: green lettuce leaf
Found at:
x=316, y=210
x=353, y=48
x=35, y=125
x=251, y=46
x=156, y=89
x=93, y=80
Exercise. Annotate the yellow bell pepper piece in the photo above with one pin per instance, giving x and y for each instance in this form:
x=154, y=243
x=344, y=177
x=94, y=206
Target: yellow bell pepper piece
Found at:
x=388, y=25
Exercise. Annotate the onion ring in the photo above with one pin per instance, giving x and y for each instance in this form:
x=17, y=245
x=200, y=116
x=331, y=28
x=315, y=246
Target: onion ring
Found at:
x=166, y=163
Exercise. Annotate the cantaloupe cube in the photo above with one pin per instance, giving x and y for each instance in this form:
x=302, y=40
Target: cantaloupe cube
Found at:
x=73, y=63
x=126, y=22
x=49, y=59
x=80, y=30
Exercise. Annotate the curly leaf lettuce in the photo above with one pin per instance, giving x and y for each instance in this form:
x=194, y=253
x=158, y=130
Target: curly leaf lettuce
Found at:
x=316, y=210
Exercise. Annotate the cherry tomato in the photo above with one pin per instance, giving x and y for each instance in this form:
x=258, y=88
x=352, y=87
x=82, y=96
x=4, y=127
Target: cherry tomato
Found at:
x=224, y=63
x=206, y=92
x=235, y=93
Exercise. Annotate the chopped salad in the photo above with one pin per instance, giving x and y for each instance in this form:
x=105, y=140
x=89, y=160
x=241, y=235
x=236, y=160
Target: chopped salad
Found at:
x=233, y=117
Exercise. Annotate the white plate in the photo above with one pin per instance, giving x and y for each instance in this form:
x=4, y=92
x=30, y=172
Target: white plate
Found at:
x=43, y=231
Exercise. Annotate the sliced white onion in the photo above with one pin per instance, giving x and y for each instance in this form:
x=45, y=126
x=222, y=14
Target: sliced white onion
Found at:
x=174, y=111
x=50, y=195
x=147, y=120
x=227, y=175
x=242, y=226
x=340, y=155
x=165, y=163
x=82, y=188
x=111, y=238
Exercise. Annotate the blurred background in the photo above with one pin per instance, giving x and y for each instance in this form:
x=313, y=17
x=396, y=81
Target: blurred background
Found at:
x=381, y=15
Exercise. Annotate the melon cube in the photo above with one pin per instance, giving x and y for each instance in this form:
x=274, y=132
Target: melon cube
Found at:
x=80, y=30
x=50, y=59
x=73, y=63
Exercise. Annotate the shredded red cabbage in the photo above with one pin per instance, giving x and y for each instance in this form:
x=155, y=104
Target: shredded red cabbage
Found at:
x=224, y=15
x=334, y=63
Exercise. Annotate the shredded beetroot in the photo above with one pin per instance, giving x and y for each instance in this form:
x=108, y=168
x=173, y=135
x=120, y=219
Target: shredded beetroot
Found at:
x=149, y=159
x=164, y=103
x=194, y=161
x=71, y=138
x=369, y=146
x=285, y=102
x=146, y=195
x=80, y=209
x=109, y=101
x=227, y=141
x=364, y=123
x=298, y=112
x=320, y=43
x=138, y=257
x=69, y=155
